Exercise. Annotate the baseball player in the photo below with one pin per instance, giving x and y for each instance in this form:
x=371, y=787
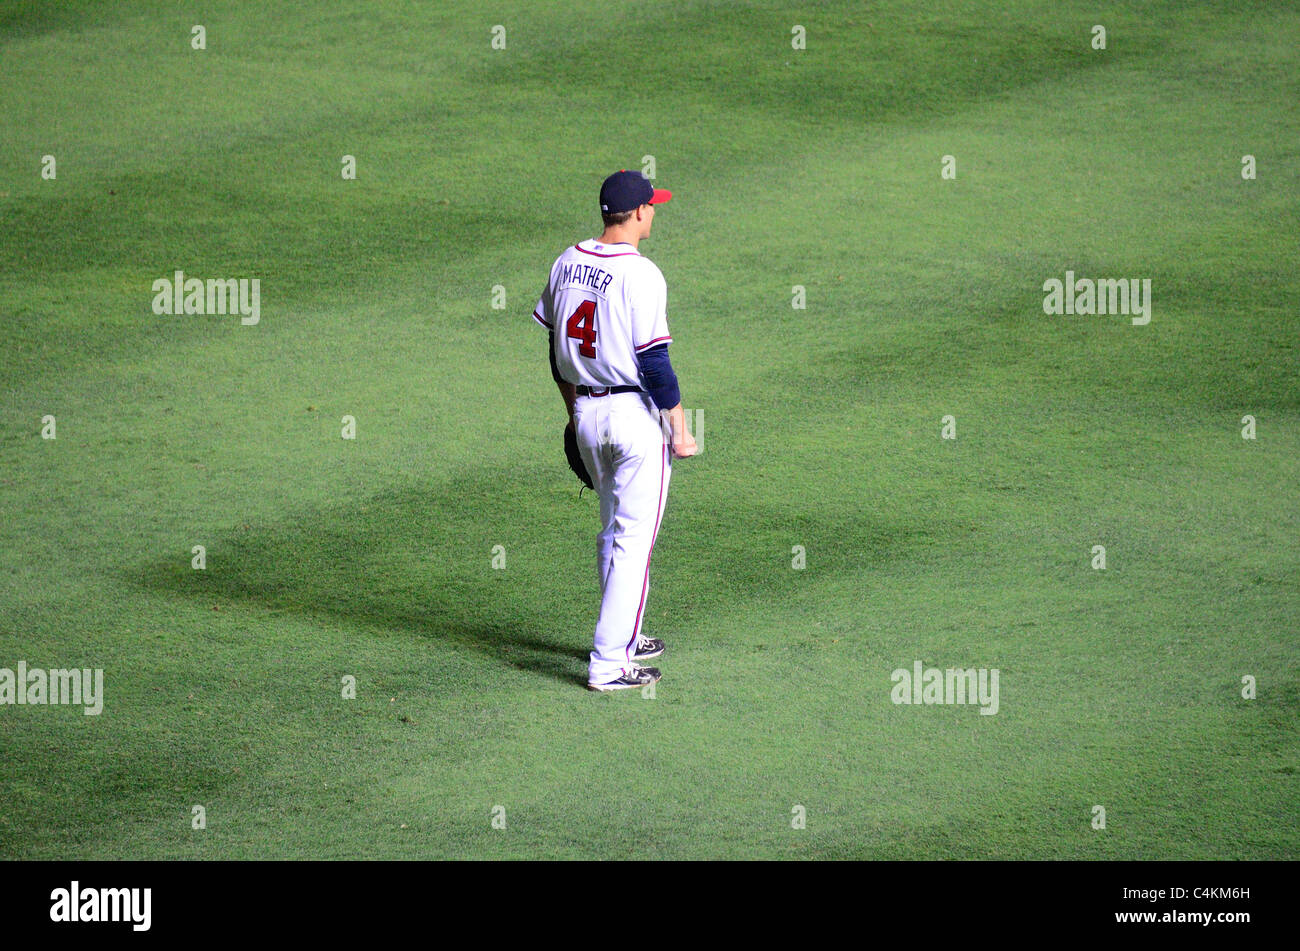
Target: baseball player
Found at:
x=605, y=306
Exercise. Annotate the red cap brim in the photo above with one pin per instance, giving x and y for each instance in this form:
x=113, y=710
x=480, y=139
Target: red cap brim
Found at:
x=660, y=196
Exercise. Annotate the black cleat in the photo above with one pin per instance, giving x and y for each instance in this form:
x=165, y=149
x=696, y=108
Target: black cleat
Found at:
x=633, y=677
x=647, y=648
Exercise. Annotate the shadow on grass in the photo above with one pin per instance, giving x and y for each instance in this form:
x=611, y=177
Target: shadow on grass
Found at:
x=411, y=561
x=416, y=562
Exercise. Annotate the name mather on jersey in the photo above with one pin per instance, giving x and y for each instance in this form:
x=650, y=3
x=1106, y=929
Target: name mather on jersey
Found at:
x=584, y=275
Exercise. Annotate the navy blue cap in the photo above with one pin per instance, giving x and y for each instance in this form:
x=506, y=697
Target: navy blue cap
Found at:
x=626, y=190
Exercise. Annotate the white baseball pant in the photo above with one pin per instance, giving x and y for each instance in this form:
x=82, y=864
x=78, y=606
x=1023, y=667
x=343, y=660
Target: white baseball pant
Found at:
x=626, y=451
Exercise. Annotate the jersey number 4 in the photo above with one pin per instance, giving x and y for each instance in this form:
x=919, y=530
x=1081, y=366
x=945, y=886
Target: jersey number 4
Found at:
x=581, y=325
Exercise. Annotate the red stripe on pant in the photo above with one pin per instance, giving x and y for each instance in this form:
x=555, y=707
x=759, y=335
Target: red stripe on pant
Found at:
x=645, y=584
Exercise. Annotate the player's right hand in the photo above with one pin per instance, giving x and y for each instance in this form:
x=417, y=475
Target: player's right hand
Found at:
x=684, y=445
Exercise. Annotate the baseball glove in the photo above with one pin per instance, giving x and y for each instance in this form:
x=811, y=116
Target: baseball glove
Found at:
x=575, y=457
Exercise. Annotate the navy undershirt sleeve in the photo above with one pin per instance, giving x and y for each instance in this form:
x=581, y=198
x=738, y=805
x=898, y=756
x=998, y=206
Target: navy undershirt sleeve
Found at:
x=550, y=350
x=660, y=380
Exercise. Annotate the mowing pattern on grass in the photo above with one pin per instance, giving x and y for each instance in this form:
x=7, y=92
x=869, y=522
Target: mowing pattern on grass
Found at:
x=827, y=536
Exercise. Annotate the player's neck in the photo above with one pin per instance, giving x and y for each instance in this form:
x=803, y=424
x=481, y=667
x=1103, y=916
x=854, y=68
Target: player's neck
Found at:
x=618, y=236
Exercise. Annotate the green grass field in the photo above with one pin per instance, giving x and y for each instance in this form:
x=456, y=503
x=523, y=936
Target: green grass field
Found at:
x=821, y=428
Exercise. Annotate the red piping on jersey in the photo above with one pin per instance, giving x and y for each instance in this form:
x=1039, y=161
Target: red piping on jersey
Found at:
x=652, y=342
x=636, y=628
x=617, y=255
x=542, y=322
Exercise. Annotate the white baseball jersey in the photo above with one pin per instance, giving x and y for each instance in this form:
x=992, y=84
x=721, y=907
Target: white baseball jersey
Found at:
x=605, y=303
